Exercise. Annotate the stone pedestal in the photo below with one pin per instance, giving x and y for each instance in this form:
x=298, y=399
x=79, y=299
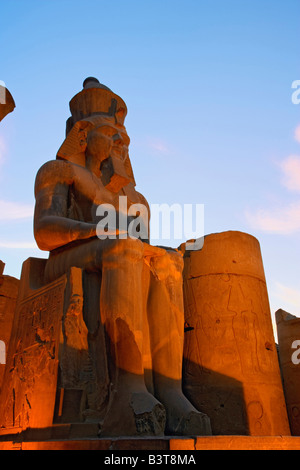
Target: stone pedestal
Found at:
x=288, y=329
x=50, y=376
x=8, y=296
x=231, y=369
x=159, y=450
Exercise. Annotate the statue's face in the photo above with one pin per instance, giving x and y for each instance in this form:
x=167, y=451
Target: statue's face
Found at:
x=108, y=140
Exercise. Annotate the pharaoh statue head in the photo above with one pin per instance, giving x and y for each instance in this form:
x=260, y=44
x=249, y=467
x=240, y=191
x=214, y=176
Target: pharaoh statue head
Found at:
x=98, y=114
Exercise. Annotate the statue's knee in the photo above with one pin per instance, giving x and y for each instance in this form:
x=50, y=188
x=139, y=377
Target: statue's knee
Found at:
x=168, y=266
x=127, y=249
x=176, y=259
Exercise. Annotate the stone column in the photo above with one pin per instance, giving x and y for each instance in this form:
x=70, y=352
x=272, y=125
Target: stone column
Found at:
x=231, y=369
x=288, y=330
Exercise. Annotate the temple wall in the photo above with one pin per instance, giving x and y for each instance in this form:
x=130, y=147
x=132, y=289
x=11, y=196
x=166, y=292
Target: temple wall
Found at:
x=8, y=296
x=288, y=329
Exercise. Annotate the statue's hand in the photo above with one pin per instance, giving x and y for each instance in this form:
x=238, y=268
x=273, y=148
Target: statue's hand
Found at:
x=153, y=251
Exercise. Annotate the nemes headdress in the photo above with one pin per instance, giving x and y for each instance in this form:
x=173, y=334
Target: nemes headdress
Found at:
x=89, y=107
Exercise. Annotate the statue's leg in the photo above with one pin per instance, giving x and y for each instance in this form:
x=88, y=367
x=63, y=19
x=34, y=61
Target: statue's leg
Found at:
x=97, y=390
x=132, y=409
x=94, y=378
x=166, y=324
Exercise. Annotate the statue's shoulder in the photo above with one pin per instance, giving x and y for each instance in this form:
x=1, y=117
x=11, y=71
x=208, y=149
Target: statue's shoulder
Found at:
x=143, y=200
x=53, y=172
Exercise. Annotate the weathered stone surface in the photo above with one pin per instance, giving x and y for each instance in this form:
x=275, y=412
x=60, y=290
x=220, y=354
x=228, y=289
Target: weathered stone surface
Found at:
x=288, y=330
x=83, y=384
x=9, y=287
x=166, y=444
x=7, y=104
x=29, y=386
x=231, y=369
x=248, y=443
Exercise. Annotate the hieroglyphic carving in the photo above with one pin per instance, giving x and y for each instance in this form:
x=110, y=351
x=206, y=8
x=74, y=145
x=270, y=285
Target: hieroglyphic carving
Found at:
x=28, y=394
x=83, y=383
x=231, y=369
x=9, y=287
x=93, y=169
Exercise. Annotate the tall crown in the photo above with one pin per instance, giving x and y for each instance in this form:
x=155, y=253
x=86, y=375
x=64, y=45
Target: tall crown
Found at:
x=96, y=99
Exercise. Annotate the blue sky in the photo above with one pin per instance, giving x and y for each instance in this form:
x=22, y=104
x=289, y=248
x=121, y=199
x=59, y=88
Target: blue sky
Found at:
x=210, y=115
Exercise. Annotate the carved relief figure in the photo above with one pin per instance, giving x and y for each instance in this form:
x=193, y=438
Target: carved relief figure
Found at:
x=137, y=296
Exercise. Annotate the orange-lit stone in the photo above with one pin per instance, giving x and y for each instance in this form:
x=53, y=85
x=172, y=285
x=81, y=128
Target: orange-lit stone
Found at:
x=231, y=369
x=29, y=384
x=7, y=104
x=117, y=330
x=101, y=326
x=161, y=444
x=8, y=296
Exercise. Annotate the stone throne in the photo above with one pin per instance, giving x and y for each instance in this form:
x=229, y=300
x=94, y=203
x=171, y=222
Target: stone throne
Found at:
x=7, y=103
x=50, y=378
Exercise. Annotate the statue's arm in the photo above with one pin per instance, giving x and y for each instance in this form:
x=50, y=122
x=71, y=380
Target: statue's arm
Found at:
x=52, y=227
x=145, y=203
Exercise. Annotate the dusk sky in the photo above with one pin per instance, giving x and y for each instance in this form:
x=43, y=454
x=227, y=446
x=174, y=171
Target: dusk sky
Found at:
x=208, y=86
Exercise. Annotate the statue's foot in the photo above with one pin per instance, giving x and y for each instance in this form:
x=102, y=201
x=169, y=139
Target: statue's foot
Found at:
x=134, y=414
x=182, y=417
x=149, y=415
x=194, y=423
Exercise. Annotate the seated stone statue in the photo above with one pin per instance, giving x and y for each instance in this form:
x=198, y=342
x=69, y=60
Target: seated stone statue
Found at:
x=140, y=299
